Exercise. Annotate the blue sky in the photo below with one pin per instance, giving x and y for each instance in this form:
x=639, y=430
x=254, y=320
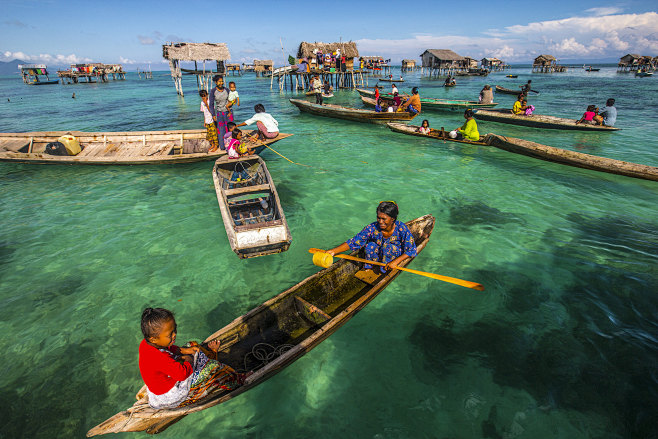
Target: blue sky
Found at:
x=132, y=32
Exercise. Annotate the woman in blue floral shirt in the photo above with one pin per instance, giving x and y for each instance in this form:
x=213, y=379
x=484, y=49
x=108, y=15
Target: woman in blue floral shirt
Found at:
x=386, y=240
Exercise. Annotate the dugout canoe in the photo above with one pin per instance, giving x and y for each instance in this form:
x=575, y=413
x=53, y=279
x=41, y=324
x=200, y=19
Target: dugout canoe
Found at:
x=412, y=130
x=324, y=95
x=118, y=148
x=545, y=152
x=251, y=209
x=429, y=103
x=537, y=121
x=573, y=158
x=390, y=80
x=507, y=91
x=348, y=113
x=293, y=323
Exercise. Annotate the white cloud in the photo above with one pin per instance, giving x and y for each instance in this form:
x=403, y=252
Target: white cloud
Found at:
x=598, y=35
x=123, y=60
x=45, y=58
x=145, y=40
x=605, y=10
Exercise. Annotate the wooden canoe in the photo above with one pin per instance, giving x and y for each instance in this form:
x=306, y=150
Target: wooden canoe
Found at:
x=355, y=114
x=429, y=103
x=251, y=209
x=573, y=158
x=441, y=134
x=390, y=80
x=545, y=152
x=511, y=76
x=297, y=319
x=118, y=148
x=507, y=91
x=538, y=121
x=324, y=95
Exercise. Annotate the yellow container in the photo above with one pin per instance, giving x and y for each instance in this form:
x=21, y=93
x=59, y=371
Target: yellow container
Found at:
x=71, y=144
x=323, y=260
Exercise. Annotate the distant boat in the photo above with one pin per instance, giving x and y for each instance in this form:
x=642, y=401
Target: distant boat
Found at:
x=643, y=74
x=538, y=121
x=590, y=69
x=430, y=103
x=507, y=91
x=511, y=76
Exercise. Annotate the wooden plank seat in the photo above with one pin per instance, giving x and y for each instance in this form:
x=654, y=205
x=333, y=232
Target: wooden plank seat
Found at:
x=246, y=190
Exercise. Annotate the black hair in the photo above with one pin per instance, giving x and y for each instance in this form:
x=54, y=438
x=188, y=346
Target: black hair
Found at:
x=389, y=208
x=468, y=112
x=231, y=125
x=203, y=93
x=395, y=94
x=529, y=81
x=231, y=83
x=236, y=133
x=428, y=123
x=591, y=107
x=414, y=90
x=259, y=108
x=216, y=78
x=610, y=102
x=153, y=319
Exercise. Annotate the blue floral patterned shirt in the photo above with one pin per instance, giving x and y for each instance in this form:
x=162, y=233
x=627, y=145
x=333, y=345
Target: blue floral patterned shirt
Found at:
x=401, y=241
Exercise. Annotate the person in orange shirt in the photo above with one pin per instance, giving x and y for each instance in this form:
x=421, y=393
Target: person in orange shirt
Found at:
x=412, y=105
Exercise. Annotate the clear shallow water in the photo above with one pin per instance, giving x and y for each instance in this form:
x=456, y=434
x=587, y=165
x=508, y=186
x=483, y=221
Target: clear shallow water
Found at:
x=563, y=342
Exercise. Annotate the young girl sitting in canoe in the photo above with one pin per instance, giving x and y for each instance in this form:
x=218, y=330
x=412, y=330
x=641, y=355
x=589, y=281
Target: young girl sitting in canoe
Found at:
x=424, y=127
x=589, y=116
x=177, y=376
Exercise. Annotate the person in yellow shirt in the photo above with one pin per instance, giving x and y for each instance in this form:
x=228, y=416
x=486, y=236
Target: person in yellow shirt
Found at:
x=468, y=131
x=520, y=105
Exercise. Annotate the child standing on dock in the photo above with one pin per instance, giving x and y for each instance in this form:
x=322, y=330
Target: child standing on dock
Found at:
x=211, y=129
x=233, y=99
x=177, y=376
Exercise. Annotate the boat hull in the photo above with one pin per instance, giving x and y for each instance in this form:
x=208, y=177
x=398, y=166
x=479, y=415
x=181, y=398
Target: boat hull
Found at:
x=538, y=121
x=353, y=114
x=251, y=209
x=301, y=317
x=118, y=148
x=412, y=130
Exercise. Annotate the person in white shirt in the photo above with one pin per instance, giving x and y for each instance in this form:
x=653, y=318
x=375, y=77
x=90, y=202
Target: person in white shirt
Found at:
x=211, y=129
x=394, y=89
x=268, y=127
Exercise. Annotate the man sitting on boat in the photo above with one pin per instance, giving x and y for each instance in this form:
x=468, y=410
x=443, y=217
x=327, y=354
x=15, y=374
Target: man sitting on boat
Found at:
x=412, y=105
x=268, y=127
x=609, y=113
x=449, y=81
x=386, y=240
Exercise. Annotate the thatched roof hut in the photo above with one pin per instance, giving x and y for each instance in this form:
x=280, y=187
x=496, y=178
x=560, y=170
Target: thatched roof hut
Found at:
x=408, y=63
x=629, y=59
x=490, y=62
x=347, y=49
x=196, y=51
x=544, y=60
x=442, y=59
x=262, y=65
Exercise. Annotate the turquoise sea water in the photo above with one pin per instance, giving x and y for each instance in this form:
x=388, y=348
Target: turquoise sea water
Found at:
x=562, y=344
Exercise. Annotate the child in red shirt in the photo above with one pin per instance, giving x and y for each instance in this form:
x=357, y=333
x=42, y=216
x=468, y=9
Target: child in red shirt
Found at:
x=172, y=373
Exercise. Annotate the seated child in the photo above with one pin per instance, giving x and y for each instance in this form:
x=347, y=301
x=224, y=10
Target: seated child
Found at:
x=391, y=109
x=177, y=376
x=208, y=122
x=242, y=147
x=233, y=99
x=424, y=127
x=378, y=106
x=588, y=116
x=230, y=126
x=529, y=109
x=234, y=144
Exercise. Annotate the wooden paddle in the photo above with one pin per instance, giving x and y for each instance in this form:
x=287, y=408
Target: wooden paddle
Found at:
x=453, y=280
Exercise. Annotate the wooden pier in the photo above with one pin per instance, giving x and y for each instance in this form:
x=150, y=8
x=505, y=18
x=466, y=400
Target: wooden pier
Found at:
x=92, y=72
x=297, y=80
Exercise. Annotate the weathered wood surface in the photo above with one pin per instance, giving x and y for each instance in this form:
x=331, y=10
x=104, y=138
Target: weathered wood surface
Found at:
x=118, y=148
x=572, y=158
x=335, y=291
x=252, y=229
x=355, y=114
x=538, y=121
x=507, y=91
x=412, y=130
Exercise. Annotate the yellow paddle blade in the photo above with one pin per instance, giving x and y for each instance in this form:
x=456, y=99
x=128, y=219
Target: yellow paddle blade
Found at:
x=452, y=280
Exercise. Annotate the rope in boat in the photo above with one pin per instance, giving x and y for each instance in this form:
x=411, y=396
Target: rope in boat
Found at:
x=265, y=353
x=279, y=154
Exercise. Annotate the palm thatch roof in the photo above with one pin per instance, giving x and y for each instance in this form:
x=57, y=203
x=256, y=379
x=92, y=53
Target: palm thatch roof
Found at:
x=444, y=54
x=408, y=61
x=263, y=62
x=372, y=58
x=544, y=58
x=347, y=49
x=196, y=51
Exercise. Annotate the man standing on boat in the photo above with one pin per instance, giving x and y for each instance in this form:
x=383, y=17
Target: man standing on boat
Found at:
x=316, y=86
x=218, y=106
